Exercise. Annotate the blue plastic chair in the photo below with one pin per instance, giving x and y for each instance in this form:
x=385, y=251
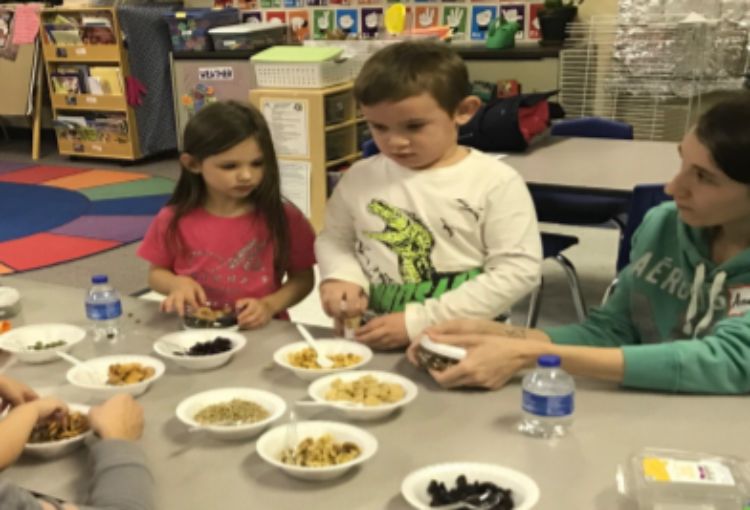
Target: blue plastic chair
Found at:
x=552, y=247
x=644, y=197
x=580, y=207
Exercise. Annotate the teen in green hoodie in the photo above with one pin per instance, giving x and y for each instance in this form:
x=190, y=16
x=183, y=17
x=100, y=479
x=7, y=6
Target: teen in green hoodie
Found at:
x=679, y=319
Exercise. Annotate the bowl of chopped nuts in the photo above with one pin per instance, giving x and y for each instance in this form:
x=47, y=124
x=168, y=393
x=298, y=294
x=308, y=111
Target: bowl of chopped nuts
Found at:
x=122, y=373
x=316, y=450
x=60, y=433
x=38, y=343
x=363, y=394
x=231, y=413
x=200, y=349
x=302, y=360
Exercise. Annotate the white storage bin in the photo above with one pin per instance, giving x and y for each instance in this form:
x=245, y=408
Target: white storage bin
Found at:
x=300, y=67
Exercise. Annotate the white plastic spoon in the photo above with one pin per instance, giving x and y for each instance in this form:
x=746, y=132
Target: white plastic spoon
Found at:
x=321, y=358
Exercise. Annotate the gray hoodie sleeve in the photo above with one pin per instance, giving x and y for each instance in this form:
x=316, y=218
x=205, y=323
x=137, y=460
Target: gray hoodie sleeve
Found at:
x=121, y=479
x=13, y=497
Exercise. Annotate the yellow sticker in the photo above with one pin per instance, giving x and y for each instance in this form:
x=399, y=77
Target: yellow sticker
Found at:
x=655, y=469
x=180, y=15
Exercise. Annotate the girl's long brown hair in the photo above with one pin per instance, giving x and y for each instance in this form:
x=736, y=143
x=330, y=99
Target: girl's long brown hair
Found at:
x=214, y=129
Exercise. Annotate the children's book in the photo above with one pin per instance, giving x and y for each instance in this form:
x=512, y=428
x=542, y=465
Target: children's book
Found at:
x=109, y=79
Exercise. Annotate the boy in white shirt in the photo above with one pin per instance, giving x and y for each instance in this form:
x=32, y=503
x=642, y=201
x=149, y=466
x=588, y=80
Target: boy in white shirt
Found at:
x=427, y=230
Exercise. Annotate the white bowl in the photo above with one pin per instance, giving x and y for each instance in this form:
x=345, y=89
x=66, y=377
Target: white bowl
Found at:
x=414, y=486
x=329, y=346
x=189, y=407
x=165, y=347
x=92, y=375
x=18, y=341
x=271, y=445
x=318, y=389
x=53, y=449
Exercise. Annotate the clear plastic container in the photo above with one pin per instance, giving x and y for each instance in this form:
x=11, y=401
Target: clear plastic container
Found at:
x=662, y=479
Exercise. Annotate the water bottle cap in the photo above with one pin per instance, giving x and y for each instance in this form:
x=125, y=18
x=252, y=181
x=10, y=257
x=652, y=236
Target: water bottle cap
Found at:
x=548, y=360
x=99, y=278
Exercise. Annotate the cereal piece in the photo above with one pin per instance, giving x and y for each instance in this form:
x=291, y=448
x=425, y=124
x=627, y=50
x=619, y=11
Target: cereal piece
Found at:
x=120, y=374
x=366, y=390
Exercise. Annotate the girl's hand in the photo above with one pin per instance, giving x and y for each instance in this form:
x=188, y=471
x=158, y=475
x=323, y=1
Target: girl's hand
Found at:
x=254, y=313
x=489, y=363
x=14, y=393
x=342, y=299
x=120, y=417
x=384, y=332
x=185, y=291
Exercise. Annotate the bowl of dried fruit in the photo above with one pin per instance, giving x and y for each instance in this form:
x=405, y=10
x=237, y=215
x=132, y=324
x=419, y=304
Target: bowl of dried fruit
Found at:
x=39, y=343
x=316, y=450
x=363, y=394
x=123, y=373
x=489, y=486
x=210, y=315
x=59, y=434
x=302, y=360
x=199, y=349
x=231, y=413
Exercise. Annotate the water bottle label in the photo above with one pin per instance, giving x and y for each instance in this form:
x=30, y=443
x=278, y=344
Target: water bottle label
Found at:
x=542, y=405
x=103, y=311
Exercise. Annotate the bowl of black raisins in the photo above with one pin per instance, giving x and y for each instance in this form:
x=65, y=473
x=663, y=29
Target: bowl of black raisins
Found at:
x=200, y=349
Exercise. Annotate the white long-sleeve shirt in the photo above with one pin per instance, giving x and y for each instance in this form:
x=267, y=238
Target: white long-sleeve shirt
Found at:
x=443, y=243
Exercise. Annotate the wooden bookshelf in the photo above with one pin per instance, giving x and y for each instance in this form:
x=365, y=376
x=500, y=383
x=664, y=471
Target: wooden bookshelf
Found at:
x=99, y=107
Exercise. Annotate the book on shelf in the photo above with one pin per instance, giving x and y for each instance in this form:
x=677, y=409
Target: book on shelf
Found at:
x=66, y=83
x=105, y=80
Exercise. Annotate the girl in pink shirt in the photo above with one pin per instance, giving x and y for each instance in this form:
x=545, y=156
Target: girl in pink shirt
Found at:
x=227, y=236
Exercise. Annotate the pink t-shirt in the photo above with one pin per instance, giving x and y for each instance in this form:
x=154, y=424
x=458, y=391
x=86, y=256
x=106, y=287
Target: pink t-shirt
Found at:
x=231, y=258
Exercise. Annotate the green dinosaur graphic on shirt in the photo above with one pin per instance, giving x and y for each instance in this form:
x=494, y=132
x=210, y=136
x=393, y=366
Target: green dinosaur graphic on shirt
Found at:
x=408, y=238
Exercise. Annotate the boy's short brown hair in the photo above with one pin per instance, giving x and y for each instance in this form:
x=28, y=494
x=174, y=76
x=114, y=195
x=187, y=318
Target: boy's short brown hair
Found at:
x=412, y=68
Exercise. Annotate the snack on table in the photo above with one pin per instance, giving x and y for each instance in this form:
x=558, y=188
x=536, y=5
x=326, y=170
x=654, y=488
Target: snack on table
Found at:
x=59, y=427
x=208, y=317
x=121, y=374
x=234, y=412
x=215, y=346
x=366, y=390
x=306, y=358
x=321, y=452
x=40, y=346
x=475, y=492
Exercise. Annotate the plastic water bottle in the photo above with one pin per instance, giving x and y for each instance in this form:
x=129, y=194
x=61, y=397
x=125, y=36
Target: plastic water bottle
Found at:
x=103, y=309
x=548, y=394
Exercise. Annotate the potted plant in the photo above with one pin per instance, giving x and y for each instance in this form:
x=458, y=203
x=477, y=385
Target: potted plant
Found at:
x=554, y=18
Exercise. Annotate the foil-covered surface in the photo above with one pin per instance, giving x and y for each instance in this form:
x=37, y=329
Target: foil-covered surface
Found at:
x=681, y=47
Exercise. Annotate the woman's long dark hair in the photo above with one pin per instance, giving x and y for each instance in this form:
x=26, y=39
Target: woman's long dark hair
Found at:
x=214, y=129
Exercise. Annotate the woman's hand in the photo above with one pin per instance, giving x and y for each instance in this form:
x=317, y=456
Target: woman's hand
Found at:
x=384, y=332
x=185, y=291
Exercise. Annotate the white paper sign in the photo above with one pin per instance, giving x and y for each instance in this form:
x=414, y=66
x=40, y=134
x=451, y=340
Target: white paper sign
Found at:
x=216, y=73
x=295, y=183
x=288, y=121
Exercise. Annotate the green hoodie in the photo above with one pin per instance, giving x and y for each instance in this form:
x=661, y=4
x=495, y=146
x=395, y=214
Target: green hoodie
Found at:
x=683, y=322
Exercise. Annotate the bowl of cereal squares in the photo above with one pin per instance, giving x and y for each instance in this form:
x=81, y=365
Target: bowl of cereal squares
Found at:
x=302, y=360
x=39, y=343
x=231, y=413
x=210, y=315
x=363, y=394
x=316, y=450
x=60, y=433
x=200, y=349
x=122, y=373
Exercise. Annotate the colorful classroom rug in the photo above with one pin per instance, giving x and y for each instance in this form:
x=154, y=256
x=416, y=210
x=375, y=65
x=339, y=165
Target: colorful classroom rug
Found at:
x=54, y=214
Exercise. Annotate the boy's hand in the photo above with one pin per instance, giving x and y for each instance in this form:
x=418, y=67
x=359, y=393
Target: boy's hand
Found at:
x=254, y=313
x=385, y=332
x=14, y=393
x=185, y=291
x=47, y=406
x=342, y=299
x=120, y=417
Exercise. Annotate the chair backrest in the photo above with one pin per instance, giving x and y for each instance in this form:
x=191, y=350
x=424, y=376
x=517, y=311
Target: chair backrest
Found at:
x=593, y=127
x=369, y=148
x=644, y=197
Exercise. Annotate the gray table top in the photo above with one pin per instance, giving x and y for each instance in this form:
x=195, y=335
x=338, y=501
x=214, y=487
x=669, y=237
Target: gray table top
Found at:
x=597, y=164
x=193, y=471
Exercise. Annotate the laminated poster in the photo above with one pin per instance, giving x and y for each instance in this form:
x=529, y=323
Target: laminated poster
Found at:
x=288, y=121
